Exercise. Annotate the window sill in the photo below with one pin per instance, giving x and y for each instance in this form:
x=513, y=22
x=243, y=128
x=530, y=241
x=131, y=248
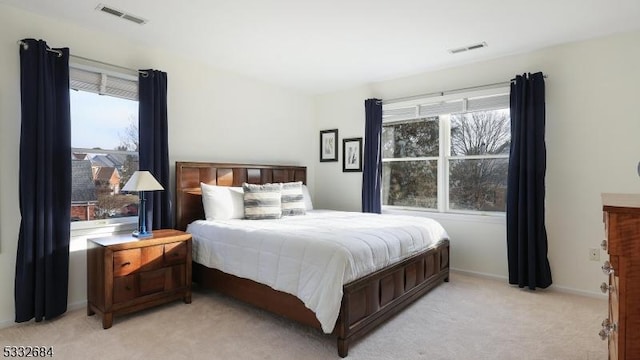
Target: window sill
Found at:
x=81, y=231
x=487, y=218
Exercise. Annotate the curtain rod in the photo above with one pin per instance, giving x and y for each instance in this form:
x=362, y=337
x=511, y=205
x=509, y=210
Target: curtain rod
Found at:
x=144, y=73
x=446, y=92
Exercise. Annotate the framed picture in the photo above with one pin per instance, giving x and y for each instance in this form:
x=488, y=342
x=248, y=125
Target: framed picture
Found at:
x=352, y=155
x=329, y=145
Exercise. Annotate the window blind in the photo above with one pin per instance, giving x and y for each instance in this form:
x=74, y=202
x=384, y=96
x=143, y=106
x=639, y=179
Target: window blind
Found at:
x=488, y=103
x=101, y=83
x=433, y=108
x=446, y=107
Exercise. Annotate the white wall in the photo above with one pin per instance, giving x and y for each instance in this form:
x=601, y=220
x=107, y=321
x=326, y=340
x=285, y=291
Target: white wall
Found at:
x=593, y=146
x=213, y=116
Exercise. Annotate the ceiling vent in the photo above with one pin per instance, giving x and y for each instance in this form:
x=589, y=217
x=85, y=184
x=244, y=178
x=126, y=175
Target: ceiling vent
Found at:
x=467, y=48
x=121, y=14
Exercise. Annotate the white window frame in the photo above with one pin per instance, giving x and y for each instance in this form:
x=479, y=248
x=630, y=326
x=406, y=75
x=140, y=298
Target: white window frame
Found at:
x=445, y=156
x=101, y=79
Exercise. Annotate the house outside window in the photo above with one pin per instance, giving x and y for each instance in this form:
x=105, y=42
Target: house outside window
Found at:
x=448, y=153
x=104, y=140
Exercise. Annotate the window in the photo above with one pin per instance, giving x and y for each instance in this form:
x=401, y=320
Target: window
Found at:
x=104, y=141
x=447, y=154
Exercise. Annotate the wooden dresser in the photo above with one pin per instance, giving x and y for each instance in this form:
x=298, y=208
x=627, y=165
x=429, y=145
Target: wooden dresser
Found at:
x=126, y=274
x=622, y=230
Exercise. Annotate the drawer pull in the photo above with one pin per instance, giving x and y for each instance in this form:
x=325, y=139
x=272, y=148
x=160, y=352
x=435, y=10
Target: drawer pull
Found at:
x=175, y=254
x=603, y=335
x=128, y=288
x=126, y=264
x=607, y=328
x=607, y=269
x=603, y=245
x=604, y=287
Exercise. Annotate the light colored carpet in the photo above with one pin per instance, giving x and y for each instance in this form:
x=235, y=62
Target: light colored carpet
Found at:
x=467, y=318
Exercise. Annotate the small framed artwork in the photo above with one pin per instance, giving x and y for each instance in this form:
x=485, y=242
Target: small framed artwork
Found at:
x=352, y=155
x=329, y=145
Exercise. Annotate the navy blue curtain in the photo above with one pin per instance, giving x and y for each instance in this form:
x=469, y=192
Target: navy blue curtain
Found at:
x=372, y=171
x=526, y=232
x=42, y=261
x=154, y=145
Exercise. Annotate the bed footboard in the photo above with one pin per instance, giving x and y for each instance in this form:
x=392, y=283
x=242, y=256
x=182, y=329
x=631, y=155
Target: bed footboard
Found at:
x=366, y=302
x=369, y=301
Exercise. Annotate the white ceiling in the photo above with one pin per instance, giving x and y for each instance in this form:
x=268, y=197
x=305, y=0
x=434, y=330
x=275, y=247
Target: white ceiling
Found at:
x=325, y=45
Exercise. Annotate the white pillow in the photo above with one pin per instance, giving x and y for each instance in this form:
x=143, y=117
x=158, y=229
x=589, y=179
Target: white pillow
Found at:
x=222, y=202
x=308, y=205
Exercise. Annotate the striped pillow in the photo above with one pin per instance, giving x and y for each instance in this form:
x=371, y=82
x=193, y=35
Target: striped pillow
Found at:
x=262, y=201
x=292, y=199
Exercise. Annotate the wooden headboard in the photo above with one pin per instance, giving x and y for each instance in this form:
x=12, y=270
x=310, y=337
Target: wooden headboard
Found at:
x=189, y=175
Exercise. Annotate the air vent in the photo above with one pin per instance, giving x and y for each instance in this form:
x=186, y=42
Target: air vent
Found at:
x=121, y=14
x=467, y=48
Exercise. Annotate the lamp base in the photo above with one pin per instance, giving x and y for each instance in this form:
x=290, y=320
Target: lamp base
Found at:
x=142, y=235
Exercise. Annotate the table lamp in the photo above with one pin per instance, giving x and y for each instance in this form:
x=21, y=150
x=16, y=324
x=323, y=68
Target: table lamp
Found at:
x=142, y=181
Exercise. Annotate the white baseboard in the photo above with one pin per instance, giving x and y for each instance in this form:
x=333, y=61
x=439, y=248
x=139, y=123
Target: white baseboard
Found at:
x=567, y=290
x=562, y=289
x=77, y=305
x=6, y=323
x=70, y=307
x=479, y=274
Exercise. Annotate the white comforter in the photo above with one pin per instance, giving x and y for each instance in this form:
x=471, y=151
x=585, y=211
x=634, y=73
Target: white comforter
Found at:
x=311, y=256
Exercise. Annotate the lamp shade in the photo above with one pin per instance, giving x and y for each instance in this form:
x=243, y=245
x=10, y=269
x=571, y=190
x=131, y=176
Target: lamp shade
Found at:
x=142, y=181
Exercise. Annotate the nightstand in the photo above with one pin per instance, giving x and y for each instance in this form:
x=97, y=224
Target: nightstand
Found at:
x=127, y=274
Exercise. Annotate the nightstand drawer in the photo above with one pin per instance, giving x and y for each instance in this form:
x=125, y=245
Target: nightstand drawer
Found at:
x=153, y=281
x=175, y=253
x=127, y=262
x=124, y=289
x=132, y=286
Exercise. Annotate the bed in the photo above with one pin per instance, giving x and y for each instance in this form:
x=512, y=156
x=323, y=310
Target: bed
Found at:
x=366, y=302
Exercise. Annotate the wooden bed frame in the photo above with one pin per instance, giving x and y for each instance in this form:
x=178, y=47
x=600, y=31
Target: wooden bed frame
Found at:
x=366, y=303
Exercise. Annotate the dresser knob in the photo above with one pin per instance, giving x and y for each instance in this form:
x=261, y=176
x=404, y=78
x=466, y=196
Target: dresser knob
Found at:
x=604, y=335
x=604, y=287
x=603, y=245
x=607, y=269
x=607, y=328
